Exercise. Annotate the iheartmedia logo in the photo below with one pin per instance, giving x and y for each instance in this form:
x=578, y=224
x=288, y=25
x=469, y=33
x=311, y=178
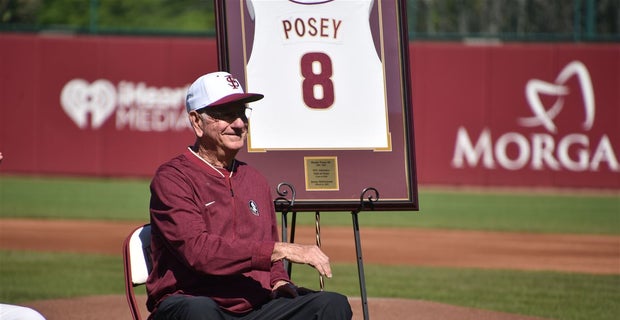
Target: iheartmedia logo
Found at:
x=134, y=106
x=575, y=151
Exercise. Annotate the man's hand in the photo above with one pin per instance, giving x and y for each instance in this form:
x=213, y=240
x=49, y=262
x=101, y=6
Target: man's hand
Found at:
x=284, y=289
x=306, y=254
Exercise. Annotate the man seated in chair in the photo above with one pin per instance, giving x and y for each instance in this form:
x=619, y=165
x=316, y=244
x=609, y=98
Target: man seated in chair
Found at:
x=215, y=247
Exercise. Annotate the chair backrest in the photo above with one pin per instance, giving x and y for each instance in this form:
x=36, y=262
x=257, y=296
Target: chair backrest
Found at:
x=137, y=264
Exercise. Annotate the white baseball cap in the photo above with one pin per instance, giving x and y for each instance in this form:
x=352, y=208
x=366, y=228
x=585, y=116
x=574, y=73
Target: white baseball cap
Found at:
x=216, y=89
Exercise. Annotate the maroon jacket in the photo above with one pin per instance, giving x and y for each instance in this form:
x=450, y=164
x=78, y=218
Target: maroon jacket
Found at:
x=212, y=234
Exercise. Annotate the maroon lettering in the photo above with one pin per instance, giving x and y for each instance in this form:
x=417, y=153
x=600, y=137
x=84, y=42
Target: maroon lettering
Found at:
x=312, y=30
x=287, y=27
x=311, y=27
x=300, y=27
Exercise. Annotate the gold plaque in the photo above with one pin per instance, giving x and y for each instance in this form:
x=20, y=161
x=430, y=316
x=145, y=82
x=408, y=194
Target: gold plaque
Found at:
x=321, y=173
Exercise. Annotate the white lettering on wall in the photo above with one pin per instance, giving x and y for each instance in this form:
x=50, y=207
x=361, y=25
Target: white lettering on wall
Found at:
x=465, y=151
x=137, y=106
x=151, y=119
x=573, y=152
x=576, y=151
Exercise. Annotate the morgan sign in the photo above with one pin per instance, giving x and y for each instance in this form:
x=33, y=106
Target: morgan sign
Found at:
x=536, y=115
x=575, y=151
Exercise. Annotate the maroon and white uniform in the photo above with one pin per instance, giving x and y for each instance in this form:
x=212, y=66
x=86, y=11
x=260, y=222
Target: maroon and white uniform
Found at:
x=316, y=63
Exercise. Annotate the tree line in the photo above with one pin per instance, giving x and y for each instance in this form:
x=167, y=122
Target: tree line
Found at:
x=427, y=19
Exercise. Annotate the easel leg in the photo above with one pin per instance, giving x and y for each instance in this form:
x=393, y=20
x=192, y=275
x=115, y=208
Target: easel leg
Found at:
x=293, y=222
x=317, y=226
x=360, y=264
x=287, y=265
x=284, y=239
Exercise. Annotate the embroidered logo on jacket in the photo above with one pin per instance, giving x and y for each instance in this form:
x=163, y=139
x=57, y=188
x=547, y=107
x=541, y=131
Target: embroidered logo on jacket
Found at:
x=253, y=207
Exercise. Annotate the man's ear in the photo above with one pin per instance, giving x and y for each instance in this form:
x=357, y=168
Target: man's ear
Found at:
x=195, y=120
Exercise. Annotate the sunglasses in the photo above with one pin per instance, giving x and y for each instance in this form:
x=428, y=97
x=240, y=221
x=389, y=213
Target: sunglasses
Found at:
x=230, y=114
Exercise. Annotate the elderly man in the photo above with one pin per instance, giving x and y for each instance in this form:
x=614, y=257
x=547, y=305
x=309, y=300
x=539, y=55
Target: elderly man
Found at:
x=215, y=247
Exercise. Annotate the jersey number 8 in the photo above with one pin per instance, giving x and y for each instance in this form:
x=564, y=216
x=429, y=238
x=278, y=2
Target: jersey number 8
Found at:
x=322, y=79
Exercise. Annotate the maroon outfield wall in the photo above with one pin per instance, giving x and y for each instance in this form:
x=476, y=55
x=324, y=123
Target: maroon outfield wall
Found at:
x=517, y=114
x=543, y=115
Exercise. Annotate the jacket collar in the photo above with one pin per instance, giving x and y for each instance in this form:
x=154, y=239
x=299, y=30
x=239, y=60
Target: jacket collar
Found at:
x=222, y=172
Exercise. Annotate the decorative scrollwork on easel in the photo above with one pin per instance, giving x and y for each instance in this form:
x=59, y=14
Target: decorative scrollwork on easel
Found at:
x=368, y=200
x=282, y=203
x=285, y=205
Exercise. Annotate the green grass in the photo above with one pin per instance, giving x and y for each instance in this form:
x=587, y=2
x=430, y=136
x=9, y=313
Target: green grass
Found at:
x=28, y=276
x=543, y=294
x=74, y=198
x=118, y=199
x=546, y=213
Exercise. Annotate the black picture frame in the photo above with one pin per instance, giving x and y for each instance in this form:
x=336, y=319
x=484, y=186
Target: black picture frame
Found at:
x=330, y=178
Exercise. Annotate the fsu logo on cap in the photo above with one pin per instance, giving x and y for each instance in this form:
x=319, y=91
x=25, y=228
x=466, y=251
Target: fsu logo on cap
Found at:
x=253, y=207
x=234, y=83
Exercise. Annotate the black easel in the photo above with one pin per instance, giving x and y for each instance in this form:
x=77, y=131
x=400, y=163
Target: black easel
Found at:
x=284, y=205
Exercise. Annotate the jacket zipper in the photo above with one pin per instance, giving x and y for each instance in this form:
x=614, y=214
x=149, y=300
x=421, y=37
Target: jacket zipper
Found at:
x=234, y=206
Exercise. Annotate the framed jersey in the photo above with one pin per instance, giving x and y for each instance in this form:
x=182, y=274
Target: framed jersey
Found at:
x=336, y=118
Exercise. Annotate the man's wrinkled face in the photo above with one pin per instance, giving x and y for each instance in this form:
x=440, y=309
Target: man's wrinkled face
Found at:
x=225, y=126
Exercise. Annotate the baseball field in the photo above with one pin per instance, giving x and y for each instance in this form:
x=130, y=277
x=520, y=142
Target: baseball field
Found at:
x=467, y=254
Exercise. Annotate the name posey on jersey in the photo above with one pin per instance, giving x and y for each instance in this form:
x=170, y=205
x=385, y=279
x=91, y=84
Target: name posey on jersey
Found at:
x=311, y=27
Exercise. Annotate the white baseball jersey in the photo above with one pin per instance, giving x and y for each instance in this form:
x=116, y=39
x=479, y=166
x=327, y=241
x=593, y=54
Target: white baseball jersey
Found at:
x=316, y=63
